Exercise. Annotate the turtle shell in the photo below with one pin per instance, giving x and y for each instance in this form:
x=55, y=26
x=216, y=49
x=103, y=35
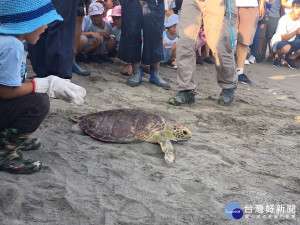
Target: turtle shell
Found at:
x=121, y=125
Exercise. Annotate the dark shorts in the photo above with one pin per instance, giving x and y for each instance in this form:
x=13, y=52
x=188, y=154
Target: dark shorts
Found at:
x=295, y=45
x=25, y=113
x=143, y=15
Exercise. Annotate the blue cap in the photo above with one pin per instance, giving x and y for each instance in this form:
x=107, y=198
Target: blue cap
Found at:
x=172, y=20
x=25, y=16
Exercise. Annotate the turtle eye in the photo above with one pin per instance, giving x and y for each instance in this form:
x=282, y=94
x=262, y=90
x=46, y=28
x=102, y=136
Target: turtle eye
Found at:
x=184, y=132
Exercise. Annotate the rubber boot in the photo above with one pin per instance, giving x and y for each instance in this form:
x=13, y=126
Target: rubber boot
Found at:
x=30, y=144
x=155, y=78
x=11, y=158
x=78, y=70
x=136, y=78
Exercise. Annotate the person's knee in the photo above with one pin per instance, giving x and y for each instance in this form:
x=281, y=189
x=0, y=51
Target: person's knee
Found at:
x=286, y=49
x=95, y=44
x=83, y=40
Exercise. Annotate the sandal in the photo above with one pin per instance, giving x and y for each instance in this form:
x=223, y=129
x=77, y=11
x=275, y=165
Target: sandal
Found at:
x=170, y=64
x=13, y=162
x=146, y=69
x=127, y=70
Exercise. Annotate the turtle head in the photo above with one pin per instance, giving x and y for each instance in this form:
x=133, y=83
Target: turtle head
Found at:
x=180, y=133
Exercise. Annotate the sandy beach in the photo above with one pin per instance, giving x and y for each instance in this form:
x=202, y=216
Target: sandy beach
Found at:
x=247, y=153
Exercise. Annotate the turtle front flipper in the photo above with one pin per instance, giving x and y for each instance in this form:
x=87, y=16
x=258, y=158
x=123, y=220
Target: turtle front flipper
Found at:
x=168, y=149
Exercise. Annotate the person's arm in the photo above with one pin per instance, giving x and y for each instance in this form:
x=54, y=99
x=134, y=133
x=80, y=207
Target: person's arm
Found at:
x=286, y=37
x=164, y=44
x=285, y=4
x=94, y=35
x=109, y=4
x=261, y=9
x=8, y=92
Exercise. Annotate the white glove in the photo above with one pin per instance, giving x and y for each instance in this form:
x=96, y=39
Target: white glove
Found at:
x=60, y=88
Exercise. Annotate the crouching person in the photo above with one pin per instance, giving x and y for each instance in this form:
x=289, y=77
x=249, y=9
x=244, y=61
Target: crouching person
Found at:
x=286, y=42
x=96, y=41
x=24, y=103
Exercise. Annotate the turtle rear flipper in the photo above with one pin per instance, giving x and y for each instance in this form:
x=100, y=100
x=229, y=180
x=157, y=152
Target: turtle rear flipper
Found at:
x=75, y=118
x=168, y=149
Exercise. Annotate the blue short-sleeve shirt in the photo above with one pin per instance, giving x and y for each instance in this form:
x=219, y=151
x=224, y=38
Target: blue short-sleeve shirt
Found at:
x=12, y=61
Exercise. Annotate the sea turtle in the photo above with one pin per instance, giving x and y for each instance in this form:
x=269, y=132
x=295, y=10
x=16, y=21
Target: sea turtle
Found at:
x=133, y=125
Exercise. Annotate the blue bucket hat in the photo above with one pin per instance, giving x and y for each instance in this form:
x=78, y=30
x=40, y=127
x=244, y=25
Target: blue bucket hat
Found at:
x=25, y=16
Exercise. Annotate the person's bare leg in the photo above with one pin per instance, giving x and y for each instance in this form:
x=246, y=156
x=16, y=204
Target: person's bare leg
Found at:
x=110, y=44
x=260, y=46
x=241, y=53
x=76, y=68
x=295, y=55
x=283, y=51
x=207, y=49
x=172, y=52
x=82, y=43
x=78, y=32
x=92, y=49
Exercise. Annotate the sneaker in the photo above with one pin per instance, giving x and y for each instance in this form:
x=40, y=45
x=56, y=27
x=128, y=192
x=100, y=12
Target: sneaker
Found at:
x=209, y=60
x=199, y=60
x=277, y=62
x=290, y=62
x=244, y=79
x=252, y=59
x=226, y=96
x=246, y=62
x=183, y=97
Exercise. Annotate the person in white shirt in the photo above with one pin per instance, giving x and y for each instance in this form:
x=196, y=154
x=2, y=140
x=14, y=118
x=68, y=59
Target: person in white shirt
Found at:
x=286, y=40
